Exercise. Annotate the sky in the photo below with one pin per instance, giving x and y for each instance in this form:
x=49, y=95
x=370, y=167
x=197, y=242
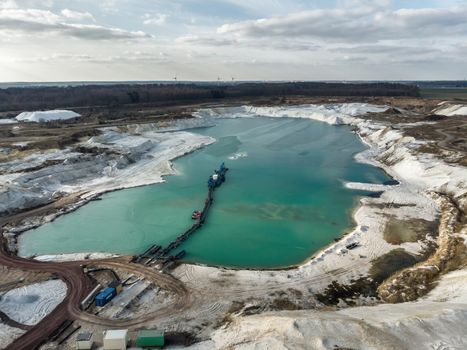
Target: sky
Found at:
x=115, y=40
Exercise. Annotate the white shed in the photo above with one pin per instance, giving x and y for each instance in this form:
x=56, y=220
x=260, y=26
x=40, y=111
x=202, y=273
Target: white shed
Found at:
x=116, y=339
x=84, y=341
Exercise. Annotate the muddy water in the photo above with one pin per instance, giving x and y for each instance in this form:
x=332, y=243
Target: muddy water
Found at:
x=283, y=199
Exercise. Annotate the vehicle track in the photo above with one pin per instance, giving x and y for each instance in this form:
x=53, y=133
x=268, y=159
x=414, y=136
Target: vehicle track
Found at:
x=12, y=323
x=447, y=142
x=183, y=301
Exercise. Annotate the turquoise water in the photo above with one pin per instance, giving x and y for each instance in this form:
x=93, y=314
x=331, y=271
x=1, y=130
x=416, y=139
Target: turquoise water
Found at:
x=280, y=204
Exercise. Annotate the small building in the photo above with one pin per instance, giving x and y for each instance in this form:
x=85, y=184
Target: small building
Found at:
x=150, y=338
x=105, y=296
x=117, y=285
x=84, y=341
x=116, y=339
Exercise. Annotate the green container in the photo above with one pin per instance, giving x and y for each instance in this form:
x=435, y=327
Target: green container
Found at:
x=150, y=338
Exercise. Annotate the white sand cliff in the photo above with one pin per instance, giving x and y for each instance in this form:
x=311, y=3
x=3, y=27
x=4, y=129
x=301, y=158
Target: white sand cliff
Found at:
x=46, y=116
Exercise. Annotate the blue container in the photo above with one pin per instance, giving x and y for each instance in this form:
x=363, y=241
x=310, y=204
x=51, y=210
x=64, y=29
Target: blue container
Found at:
x=105, y=296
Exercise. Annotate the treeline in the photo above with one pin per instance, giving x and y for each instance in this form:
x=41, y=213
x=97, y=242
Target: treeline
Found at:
x=441, y=84
x=39, y=98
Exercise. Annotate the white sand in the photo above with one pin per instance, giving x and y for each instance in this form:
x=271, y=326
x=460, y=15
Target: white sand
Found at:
x=75, y=256
x=46, y=116
x=449, y=110
x=8, y=335
x=30, y=304
x=434, y=322
x=337, y=113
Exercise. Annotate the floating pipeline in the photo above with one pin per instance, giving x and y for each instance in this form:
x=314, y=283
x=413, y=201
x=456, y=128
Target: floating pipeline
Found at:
x=152, y=250
x=155, y=252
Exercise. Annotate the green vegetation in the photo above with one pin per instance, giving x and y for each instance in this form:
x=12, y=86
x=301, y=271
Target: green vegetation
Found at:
x=445, y=94
x=32, y=98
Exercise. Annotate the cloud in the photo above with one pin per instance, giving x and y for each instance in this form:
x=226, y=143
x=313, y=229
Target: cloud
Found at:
x=387, y=49
x=205, y=41
x=155, y=19
x=75, y=15
x=128, y=56
x=356, y=25
x=53, y=57
x=8, y=4
x=257, y=43
x=135, y=56
x=294, y=39
x=32, y=21
x=96, y=32
x=109, y=6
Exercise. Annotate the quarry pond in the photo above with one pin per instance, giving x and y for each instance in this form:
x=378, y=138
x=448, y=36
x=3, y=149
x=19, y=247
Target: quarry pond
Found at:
x=284, y=199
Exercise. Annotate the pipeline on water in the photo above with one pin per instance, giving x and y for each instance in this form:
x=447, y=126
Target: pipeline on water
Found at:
x=156, y=252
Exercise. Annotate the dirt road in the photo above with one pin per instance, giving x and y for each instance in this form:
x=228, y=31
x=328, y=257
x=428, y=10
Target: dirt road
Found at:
x=78, y=287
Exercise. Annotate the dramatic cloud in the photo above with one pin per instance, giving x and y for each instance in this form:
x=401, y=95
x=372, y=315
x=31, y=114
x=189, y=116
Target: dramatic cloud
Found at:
x=204, y=39
x=387, y=49
x=215, y=41
x=360, y=24
x=32, y=21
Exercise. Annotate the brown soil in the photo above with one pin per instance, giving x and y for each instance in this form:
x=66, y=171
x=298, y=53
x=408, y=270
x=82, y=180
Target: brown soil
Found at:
x=381, y=269
x=412, y=283
x=400, y=231
x=11, y=277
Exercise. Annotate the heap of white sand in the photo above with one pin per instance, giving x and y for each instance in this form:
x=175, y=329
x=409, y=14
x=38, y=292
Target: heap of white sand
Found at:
x=46, y=116
x=447, y=109
x=75, y=256
x=30, y=304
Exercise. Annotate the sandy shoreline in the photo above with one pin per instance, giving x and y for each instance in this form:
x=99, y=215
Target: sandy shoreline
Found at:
x=363, y=216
